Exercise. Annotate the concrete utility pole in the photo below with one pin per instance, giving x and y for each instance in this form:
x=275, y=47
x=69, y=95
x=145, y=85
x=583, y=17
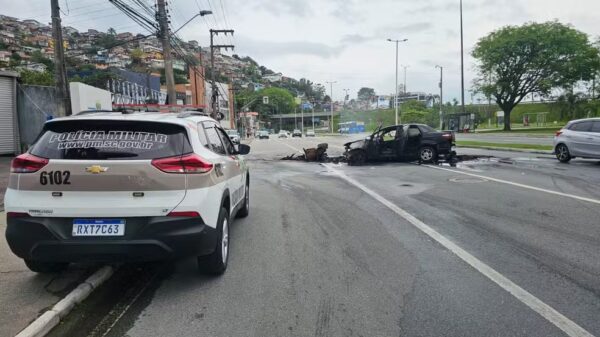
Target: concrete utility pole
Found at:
x=462, y=60
x=331, y=83
x=60, y=68
x=441, y=96
x=312, y=108
x=405, y=67
x=214, y=90
x=396, y=103
x=163, y=23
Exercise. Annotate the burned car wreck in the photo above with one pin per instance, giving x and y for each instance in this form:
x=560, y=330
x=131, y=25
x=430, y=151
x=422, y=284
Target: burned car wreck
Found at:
x=410, y=142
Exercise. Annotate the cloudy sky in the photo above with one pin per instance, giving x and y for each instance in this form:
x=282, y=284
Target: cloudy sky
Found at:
x=341, y=40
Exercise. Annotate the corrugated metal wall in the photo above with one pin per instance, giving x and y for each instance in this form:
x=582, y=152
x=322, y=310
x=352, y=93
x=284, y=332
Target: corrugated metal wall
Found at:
x=8, y=136
x=35, y=104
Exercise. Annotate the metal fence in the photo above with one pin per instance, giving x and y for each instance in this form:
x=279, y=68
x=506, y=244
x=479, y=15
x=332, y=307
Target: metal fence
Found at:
x=35, y=105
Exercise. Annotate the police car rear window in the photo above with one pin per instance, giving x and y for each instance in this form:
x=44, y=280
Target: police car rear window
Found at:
x=114, y=140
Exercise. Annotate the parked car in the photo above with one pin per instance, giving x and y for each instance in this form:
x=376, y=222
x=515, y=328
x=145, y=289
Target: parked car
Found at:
x=402, y=142
x=263, y=134
x=283, y=134
x=310, y=133
x=579, y=138
x=112, y=187
x=297, y=133
x=233, y=135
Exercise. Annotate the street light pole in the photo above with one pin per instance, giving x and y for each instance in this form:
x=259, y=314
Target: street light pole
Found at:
x=312, y=108
x=462, y=60
x=331, y=101
x=396, y=88
x=441, y=96
x=201, y=13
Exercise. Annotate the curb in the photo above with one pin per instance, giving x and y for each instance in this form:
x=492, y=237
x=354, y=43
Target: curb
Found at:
x=506, y=149
x=49, y=319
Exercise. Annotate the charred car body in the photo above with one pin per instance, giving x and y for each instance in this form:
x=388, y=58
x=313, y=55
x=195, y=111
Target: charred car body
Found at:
x=402, y=143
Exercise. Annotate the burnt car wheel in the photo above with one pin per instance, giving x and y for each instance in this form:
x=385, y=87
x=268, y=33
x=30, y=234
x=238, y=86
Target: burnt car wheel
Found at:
x=357, y=158
x=427, y=154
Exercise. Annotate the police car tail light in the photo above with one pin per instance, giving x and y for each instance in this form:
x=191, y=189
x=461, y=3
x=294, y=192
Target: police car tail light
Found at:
x=27, y=163
x=191, y=163
x=192, y=214
x=17, y=215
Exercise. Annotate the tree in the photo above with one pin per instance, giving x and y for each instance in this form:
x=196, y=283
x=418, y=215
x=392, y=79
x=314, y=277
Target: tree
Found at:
x=38, y=57
x=111, y=31
x=36, y=78
x=15, y=60
x=136, y=56
x=280, y=101
x=365, y=94
x=516, y=61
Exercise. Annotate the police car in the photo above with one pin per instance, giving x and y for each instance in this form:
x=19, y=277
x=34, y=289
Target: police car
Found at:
x=114, y=187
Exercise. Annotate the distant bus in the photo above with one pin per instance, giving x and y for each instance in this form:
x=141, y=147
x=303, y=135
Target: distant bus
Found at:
x=351, y=127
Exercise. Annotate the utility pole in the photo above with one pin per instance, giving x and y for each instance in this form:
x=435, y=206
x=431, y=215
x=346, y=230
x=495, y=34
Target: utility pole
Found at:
x=302, y=117
x=331, y=100
x=312, y=108
x=214, y=90
x=462, y=60
x=163, y=24
x=60, y=68
x=396, y=103
x=441, y=96
x=405, y=67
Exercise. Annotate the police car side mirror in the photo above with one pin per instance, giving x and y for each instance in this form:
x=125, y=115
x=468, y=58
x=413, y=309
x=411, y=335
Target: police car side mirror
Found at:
x=243, y=149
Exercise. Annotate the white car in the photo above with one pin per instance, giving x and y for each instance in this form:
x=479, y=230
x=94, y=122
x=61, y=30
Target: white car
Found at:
x=579, y=138
x=233, y=135
x=115, y=187
x=282, y=134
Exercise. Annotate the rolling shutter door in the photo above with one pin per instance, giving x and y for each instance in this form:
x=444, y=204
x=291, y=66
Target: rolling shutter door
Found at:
x=7, y=118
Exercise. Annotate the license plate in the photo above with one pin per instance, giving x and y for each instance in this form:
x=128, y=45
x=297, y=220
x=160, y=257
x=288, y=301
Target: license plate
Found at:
x=98, y=227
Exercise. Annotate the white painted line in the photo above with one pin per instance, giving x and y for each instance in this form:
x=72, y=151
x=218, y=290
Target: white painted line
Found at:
x=539, y=189
x=291, y=147
x=559, y=320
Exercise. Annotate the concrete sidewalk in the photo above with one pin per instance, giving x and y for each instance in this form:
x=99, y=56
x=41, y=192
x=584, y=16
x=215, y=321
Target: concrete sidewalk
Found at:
x=24, y=295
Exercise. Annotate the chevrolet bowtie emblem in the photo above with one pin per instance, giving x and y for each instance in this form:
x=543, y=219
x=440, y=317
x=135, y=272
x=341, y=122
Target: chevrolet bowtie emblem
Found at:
x=95, y=169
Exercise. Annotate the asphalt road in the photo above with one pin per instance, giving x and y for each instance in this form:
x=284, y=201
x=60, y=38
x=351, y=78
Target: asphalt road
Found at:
x=507, y=246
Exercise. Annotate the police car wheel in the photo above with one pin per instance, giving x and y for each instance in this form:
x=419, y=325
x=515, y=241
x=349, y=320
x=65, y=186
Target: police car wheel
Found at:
x=45, y=267
x=245, y=210
x=216, y=263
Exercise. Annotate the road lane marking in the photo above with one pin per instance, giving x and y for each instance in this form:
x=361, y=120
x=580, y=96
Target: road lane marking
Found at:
x=552, y=315
x=539, y=189
x=291, y=147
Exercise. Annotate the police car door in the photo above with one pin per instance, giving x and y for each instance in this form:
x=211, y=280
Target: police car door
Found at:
x=236, y=180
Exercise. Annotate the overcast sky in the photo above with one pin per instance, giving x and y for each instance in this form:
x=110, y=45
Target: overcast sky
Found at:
x=341, y=40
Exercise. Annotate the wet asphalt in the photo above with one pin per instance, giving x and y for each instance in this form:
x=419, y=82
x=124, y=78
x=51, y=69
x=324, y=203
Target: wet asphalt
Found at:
x=320, y=257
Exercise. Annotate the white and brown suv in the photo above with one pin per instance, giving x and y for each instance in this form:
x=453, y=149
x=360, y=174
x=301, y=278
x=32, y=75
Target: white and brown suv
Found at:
x=113, y=187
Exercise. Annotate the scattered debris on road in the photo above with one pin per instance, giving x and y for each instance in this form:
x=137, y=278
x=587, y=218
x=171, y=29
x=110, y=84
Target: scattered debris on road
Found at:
x=319, y=154
x=316, y=154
